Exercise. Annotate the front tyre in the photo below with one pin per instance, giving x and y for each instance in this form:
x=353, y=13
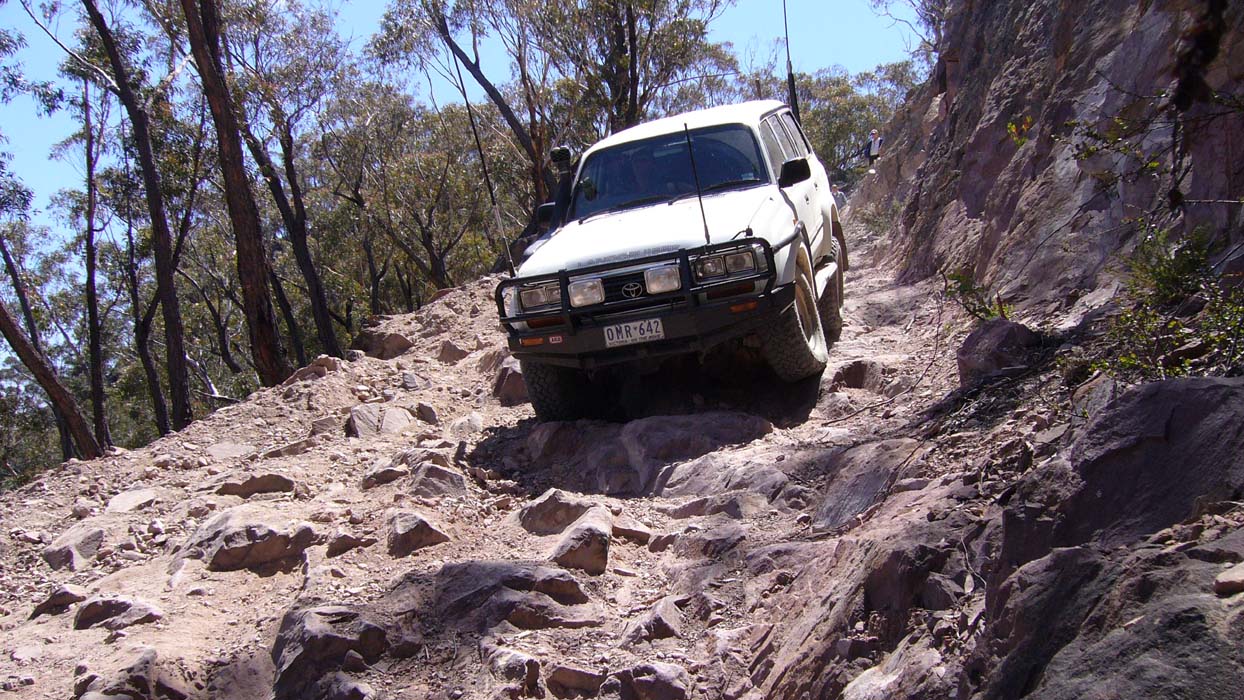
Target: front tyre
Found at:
x=558, y=393
x=796, y=347
x=829, y=307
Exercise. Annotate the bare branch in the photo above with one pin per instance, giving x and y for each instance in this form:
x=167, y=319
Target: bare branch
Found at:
x=100, y=73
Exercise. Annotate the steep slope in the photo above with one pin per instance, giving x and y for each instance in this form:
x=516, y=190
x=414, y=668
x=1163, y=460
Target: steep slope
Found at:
x=945, y=514
x=386, y=528
x=396, y=495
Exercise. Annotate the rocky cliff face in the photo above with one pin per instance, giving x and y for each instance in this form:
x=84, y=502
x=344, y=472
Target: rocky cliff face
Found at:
x=1050, y=127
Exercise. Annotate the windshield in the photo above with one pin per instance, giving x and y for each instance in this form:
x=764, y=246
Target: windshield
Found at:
x=659, y=170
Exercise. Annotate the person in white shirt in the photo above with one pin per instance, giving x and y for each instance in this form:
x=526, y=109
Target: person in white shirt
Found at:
x=873, y=148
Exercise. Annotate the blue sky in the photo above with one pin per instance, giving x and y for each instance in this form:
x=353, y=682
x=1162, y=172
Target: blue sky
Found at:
x=823, y=33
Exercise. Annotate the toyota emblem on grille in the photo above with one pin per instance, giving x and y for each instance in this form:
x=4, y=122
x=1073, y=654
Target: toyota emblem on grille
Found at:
x=632, y=290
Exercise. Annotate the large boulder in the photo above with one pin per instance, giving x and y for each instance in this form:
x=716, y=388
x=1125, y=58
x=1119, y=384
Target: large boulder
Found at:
x=859, y=477
x=60, y=600
x=114, y=612
x=365, y=420
x=1145, y=625
x=626, y=460
x=1153, y=456
x=132, y=500
x=432, y=480
x=246, y=537
x=410, y=531
x=996, y=345
x=662, y=620
x=585, y=545
x=649, y=681
x=380, y=344
x=477, y=595
x=148, y=676
x=509, y=386
x=313, y=642
x=552, y=512
x=247, y=485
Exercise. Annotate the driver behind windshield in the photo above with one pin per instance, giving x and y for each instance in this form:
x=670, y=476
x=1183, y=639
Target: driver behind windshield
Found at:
x=648, y=181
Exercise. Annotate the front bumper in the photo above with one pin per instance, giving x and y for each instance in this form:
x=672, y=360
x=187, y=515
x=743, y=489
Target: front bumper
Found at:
x=691, y=321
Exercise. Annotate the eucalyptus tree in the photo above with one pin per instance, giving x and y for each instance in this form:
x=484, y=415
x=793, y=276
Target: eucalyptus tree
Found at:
x=632, y=60
x=124, y=77
x=440, y=35
x=31, y=352
x=14, y=199
x=408, y=172
x=285, y=60
x=47, y=377
x=83, y=209
x=203, y=30
x=579, y=69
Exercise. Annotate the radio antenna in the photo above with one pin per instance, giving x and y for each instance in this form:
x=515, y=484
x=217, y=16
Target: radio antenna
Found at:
x=483, y=163
x=699, y=194
x=790, y=70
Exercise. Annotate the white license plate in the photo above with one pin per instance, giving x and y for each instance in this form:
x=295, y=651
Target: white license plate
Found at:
x=633, y=332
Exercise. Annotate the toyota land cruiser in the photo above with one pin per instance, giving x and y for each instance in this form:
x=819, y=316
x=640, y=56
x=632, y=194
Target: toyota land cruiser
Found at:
x=680, y=234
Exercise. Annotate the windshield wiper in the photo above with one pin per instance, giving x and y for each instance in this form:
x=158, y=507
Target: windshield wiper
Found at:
x=650, y=199
x=632, y=204
x=731, y=184
x=727, y=185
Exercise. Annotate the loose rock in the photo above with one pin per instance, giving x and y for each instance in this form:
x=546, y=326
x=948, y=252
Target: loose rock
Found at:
x=586, y=543
x=114, y=612
x=75, y=548
x=410, y=531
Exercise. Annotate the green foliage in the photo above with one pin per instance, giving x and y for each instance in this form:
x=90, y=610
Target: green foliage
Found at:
x=1179, y=317
x=1018, y=130
x=961, y=287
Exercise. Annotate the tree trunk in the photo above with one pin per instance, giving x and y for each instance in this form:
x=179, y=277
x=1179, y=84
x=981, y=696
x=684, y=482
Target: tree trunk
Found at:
x=294, y=216
x=95, y=348
x=544, y=178
x=375, y=275
x=142, y=331
x=175, y=347
x=291, y=321
x=23, y=301
x=46, y=376
x=203, y=29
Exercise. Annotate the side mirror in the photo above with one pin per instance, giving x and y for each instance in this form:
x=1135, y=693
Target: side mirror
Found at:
x=544, y=213
x=793, y=171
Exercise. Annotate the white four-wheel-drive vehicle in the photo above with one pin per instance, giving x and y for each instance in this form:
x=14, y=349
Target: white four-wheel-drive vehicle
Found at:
x=678, y=235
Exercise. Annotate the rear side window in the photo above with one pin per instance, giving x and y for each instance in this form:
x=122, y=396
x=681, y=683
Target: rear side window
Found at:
x=788, y=146
x=796, y=134
x=773, y=146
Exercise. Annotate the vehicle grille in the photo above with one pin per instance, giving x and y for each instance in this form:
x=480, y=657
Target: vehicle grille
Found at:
x=613, y=286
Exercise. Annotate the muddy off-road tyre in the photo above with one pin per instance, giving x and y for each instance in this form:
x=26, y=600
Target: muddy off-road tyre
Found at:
x=559, y=393
x=829, y=306
x=795, y=347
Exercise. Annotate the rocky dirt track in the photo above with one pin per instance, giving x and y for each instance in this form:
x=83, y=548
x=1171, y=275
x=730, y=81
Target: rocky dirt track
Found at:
x=398, y=526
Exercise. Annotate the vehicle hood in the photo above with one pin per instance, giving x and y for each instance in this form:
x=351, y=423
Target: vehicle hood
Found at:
x=650, y=230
